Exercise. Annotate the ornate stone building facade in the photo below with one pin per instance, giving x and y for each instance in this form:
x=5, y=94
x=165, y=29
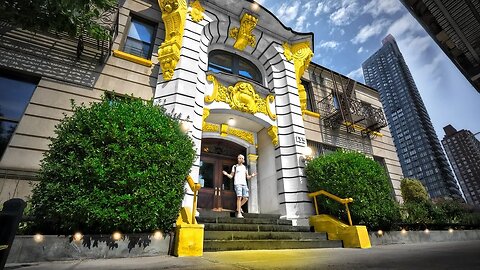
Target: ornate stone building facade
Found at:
x=230, y=70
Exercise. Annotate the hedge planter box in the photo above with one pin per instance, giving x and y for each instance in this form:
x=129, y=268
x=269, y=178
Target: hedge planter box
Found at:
x=29, y=248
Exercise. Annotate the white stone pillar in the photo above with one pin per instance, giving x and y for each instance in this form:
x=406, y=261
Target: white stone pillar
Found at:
x=253, y=200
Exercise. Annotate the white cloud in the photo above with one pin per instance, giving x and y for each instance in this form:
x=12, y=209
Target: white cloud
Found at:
x=329, y=44
x=360, y=50
x=377, y=7
x=322, y=7
x=356, y=74
x=347, y=13
x=287, y=13
x=370, y=30
x=300, y=22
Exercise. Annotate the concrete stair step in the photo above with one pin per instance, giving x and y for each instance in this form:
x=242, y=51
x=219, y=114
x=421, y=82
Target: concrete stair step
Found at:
x=243, y=235
x=255, y=227
x=223, y=245
x=207, y=213
x=246, y=220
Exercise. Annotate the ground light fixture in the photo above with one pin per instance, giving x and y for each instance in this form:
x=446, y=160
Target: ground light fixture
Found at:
x=157, y=235
x=38, y=238
x=380, y=232
x=116, y=236
x=78, y=236
x=403, y=231
x=450, y=230
x=427, y=231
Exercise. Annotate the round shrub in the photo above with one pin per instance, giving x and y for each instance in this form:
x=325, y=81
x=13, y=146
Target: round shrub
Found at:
x=352, y=175
x=118, y=164
x=413, y=190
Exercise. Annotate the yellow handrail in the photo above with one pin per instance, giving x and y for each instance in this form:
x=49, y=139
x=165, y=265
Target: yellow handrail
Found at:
x=345, y=201
x=195, y=187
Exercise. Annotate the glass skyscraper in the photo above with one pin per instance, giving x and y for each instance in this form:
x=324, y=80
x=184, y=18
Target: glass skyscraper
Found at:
x=419, y=150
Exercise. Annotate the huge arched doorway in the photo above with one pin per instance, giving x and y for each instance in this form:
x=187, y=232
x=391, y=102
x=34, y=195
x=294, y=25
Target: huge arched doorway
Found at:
x=217, y=190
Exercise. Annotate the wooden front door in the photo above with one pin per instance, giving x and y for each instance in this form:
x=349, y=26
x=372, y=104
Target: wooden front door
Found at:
x=217, y=190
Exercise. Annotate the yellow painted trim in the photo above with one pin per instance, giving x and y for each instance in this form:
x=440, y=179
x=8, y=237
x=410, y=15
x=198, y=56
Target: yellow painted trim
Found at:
x=273, y=133
x=132, y=58
x=226, y=130
x=252, y=158
x=196, y=11
x=241, y=97
x=174, y=14
x=243, y=34
x=360, y=128
x=351, y=236
x=310, y=113
x=189, y=240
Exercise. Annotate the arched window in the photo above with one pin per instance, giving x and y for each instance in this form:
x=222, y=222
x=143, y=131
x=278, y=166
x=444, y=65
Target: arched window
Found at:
x=222, y=61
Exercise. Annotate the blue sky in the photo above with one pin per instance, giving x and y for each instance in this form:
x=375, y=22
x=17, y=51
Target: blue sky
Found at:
x=347, y=32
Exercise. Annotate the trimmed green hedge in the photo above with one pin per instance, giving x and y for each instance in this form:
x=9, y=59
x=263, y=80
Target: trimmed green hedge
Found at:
x=351, y=174
x=115, y=165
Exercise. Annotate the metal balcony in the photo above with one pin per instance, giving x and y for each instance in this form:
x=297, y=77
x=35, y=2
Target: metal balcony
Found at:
x=352, y=113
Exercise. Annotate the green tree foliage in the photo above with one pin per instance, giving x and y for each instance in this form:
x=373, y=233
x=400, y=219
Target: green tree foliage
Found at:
x=351, y=174
x=413, y=190
x=116, y=165
x=70, y=16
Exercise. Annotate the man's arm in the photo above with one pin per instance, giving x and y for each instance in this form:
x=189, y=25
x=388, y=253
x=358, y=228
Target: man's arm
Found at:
x=231, y=175
x=250, y=176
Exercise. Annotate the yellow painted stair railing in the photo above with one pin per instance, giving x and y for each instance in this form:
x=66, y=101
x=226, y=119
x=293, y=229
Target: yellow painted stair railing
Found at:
x=188, y=233
x=352, y=236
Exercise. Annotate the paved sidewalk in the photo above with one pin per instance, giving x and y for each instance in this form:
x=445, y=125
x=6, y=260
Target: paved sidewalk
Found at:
x=445, y=255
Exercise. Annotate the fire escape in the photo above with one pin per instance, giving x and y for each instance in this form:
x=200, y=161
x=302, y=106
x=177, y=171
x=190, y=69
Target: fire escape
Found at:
x=14, y=38
x=342, y=108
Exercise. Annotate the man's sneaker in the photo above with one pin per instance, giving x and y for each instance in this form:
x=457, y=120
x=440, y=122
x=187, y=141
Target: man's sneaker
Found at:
x=239, y=215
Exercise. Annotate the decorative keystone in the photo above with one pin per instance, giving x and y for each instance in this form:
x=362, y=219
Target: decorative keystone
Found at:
x=243, y=35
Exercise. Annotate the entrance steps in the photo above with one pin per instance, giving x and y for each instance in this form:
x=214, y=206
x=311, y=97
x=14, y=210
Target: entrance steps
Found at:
x=224, y=232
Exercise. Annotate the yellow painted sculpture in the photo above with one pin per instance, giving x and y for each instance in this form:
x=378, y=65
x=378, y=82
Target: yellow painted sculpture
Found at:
x=241, y=97
x=273, y=133
x=174, y=13
x=196, y=13
x=243, y=35
x=301, y=54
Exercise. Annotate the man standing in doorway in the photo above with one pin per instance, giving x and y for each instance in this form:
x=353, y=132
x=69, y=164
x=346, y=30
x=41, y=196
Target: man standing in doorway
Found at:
x=239, y=171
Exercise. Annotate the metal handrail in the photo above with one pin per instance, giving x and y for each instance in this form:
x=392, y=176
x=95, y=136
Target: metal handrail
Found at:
x=345, y=201
x=195, y=187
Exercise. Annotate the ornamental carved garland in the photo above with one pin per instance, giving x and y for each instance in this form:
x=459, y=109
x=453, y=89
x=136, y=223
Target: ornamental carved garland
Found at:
x=301, y=54
x=241, y=97
x=174, y=13
x=243, y=34
x=196, y=12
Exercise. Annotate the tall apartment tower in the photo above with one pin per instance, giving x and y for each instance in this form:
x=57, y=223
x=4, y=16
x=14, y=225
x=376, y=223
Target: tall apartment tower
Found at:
x=419, y=150
x=463, y=151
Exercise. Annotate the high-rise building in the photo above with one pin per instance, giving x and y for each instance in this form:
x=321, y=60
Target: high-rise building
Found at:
x=463, y=151
x=453, y=25
x=419, y=150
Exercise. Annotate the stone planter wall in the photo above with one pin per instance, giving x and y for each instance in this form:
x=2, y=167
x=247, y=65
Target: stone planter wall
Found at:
x=54, y=248
x=410, y=237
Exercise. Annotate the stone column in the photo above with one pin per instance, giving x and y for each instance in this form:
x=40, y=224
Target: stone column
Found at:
x=253, y=200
